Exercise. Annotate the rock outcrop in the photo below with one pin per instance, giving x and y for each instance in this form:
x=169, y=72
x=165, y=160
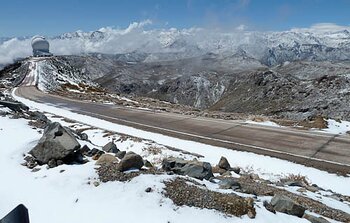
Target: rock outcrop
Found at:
x=282, y=203
x=130, y=161
x=57, y=143
x=195, y=169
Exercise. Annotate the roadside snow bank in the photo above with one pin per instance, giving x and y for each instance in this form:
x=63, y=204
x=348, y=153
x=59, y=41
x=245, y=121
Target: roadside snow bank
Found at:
x=337, y=127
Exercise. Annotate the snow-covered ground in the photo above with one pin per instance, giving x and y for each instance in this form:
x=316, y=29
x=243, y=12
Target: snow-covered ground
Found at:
x=334, y=127
x=70, y=196
x=55, y=196
x=67, y=193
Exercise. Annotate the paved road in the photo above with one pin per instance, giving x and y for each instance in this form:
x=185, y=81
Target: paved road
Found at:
x=323, y=151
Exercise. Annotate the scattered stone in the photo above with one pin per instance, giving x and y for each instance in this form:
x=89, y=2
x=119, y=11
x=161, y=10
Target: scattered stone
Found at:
x=110, y=148
x=96, y=183
x=314, y=219
x=282, y=203
x=294, y=184
x=106, y=158
x=148, y=190
x=224, y=164
x=61, y=171
x=268, y=206
x=85, y=150
x=59, y=162
x=302, y=190
x=35, y=169
x=120, y=154
x=56, y=143
x=93, y=152
x=130, y=161
x=229, y=183
x=30, y=162
x=52, y=163
x=312, y=189
x=196, y=169
x=83, y=136
x=237, y=170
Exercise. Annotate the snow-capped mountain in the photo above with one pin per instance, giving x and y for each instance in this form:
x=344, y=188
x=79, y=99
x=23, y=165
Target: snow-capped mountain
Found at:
x=270, y=48
x=318, y=43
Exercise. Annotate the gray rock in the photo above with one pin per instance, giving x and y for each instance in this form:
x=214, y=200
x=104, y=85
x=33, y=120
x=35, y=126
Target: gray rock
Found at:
x=83, y=136
x=269, y=207
x=229, y=183
x=30, y=162
x=93, y=152
x=14, y=106
x=85, y=150
x=130, y=161
x=106, y=159
x=315, y=219
x=196, y=169
x=282, y=203
x=237, y=170
x=52, y=163
x=148, y=190
x=224, y=164
x=57, y=143
x=110, y=148
x=120, y=154
x=294, y=184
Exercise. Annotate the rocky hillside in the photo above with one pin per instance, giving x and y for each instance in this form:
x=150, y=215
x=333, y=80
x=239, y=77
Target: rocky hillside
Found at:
x=217, y=82
x=230, y=83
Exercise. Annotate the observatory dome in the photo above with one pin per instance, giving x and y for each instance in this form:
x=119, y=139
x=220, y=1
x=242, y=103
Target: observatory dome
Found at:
x=40, y=43
x=40, y=46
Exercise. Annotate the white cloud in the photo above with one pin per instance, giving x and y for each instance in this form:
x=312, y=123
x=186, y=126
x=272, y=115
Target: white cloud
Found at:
x=321, y=28
x=137, y=37
x=241, y=27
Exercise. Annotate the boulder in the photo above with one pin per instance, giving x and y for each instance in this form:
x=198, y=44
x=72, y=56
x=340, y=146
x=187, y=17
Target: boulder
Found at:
x=106, y=159
x=57, y=143
x=52, y=163
x=314, y=219
x=268, y=206
x=83, y=136
x=282, y=203
x=85, y=150
x=224, y=164
x=93, y=152
x=120, y=154
x=195, y=169
x=14, y=106
x=130, y=161
x=110, y=148
x=229, y=183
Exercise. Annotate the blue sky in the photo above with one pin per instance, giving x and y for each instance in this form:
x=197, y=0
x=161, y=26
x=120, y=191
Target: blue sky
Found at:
x=46, y=17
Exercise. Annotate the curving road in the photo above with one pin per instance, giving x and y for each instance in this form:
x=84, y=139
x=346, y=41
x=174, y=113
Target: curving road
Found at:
x=323, y=151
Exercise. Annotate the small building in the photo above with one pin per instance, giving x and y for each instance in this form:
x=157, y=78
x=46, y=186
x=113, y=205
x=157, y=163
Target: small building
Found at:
x=41, y=47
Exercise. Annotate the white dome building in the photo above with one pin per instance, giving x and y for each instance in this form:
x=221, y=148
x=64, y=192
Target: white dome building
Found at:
x=41, y=47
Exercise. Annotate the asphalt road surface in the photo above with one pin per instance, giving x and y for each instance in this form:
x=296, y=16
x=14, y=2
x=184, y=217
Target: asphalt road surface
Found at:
x=323, y=151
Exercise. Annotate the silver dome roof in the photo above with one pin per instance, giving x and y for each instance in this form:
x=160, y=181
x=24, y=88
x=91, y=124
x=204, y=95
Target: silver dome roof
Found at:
x=40, y=43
